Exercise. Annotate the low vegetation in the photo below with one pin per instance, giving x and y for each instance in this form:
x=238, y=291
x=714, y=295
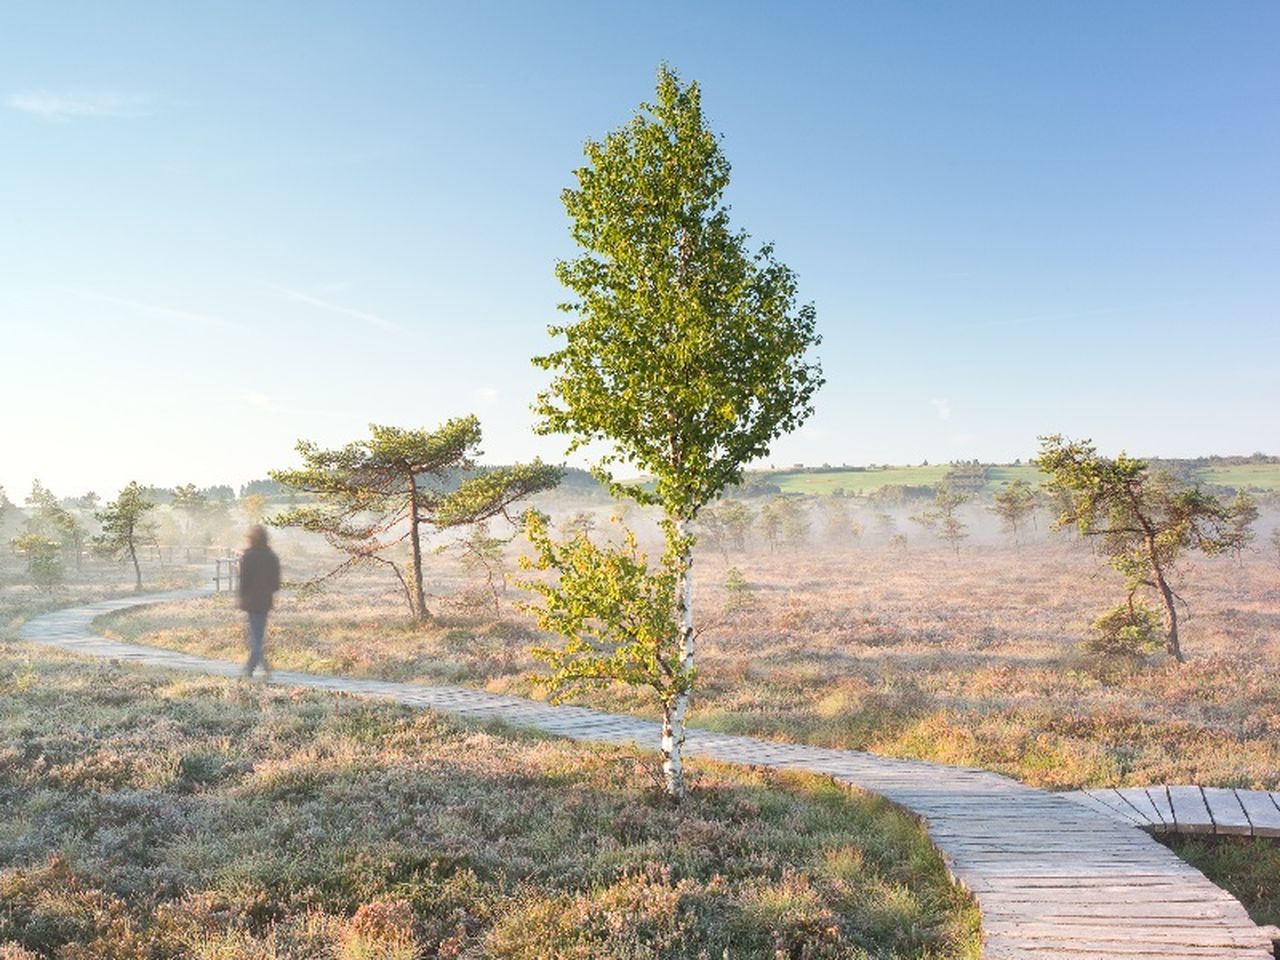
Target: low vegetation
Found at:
x=977, y=662
x=147, y=816
x=153, y=815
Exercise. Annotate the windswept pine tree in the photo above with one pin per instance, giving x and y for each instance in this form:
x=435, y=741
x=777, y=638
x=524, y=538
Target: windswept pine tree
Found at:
x=126, y=528
x=942, y=517
x=1145, y=520
x=375, y=496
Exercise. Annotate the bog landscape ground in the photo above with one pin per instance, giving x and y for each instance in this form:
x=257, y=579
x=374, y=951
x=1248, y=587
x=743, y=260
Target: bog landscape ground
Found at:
x=151, y=815
x=969, y=659
x=160, y=816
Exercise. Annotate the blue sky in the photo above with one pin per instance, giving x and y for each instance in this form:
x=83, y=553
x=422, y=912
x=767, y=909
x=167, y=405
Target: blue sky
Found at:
x=228, y=226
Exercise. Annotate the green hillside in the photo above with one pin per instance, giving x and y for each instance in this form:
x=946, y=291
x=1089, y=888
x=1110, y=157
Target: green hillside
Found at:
x=869, y=480
x=1260, y=476
x=857, y=481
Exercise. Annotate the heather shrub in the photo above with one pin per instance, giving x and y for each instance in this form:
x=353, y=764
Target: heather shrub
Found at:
x=1129, y=630
x=154, y=817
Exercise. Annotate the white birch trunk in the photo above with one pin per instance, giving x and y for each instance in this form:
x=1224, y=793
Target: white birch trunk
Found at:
x=673, y=714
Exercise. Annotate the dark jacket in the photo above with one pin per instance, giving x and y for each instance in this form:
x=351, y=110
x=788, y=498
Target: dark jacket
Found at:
x=259, y=579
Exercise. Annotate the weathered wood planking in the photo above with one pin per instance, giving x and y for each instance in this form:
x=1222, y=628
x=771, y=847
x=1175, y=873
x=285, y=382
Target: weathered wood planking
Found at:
x=1140, y=800
x=1190, y=812
x=1159, y=797
x=1262, y=812
x=1200, y=810
x=1122, y=806
x=1227, y=812
x=1086, y=799
x=1054, y=875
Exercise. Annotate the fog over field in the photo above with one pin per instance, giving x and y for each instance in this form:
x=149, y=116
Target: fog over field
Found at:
x=855, y=384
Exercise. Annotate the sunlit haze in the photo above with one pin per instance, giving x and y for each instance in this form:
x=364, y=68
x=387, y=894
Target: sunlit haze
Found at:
x=230, y=226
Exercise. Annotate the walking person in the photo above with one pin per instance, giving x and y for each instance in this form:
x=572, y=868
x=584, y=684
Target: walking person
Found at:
x=259, y=580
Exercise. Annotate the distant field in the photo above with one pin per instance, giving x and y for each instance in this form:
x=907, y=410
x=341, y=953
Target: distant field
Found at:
x=858, y=481
x=1000, y=475
x=1263, y=476
x=868, y=481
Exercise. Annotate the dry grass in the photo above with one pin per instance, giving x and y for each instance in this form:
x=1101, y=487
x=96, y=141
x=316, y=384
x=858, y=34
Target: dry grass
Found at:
x=147, y=815
x=972, y=660
x=262, y=824
x=976, y=661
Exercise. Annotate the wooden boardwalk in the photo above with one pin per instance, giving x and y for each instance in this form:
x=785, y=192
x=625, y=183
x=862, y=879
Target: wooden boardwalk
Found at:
x=1189, y=810
x=1054, y=875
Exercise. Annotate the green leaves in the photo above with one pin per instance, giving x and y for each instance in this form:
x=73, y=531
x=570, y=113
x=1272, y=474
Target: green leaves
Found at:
x=483, y=496
x=1128, y=630
x=1146, y=521
x=616, y=613
x=43, y=557
x=1132, y=508
x=124, y=521
x=687, y=352
x=1014, y=503
x=125, y=527
x=371, y=496
x=942, y=519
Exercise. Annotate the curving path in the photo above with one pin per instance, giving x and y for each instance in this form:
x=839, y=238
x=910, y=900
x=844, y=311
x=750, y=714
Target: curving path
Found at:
x=1054, y=877
x=1189, y=809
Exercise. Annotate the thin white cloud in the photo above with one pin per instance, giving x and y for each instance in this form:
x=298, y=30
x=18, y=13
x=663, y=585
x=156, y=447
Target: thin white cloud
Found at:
x=485, y=396
x=260, y=401
x=160, y=312
x=62, y=107
x=364, y=316
x=943, y=407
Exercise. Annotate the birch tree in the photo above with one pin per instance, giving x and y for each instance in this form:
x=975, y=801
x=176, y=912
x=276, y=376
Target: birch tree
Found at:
x=1146, y=521
x=686, y=354
x=374, y=497
x=125, y=527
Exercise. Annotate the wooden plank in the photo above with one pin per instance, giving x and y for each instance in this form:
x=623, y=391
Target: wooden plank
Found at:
x=1159, y=797
x=1264, y=816
x=1137, y=798
x=1113, y=798
x=1228, y=815
x=1190, y=813
x=1119, y=809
